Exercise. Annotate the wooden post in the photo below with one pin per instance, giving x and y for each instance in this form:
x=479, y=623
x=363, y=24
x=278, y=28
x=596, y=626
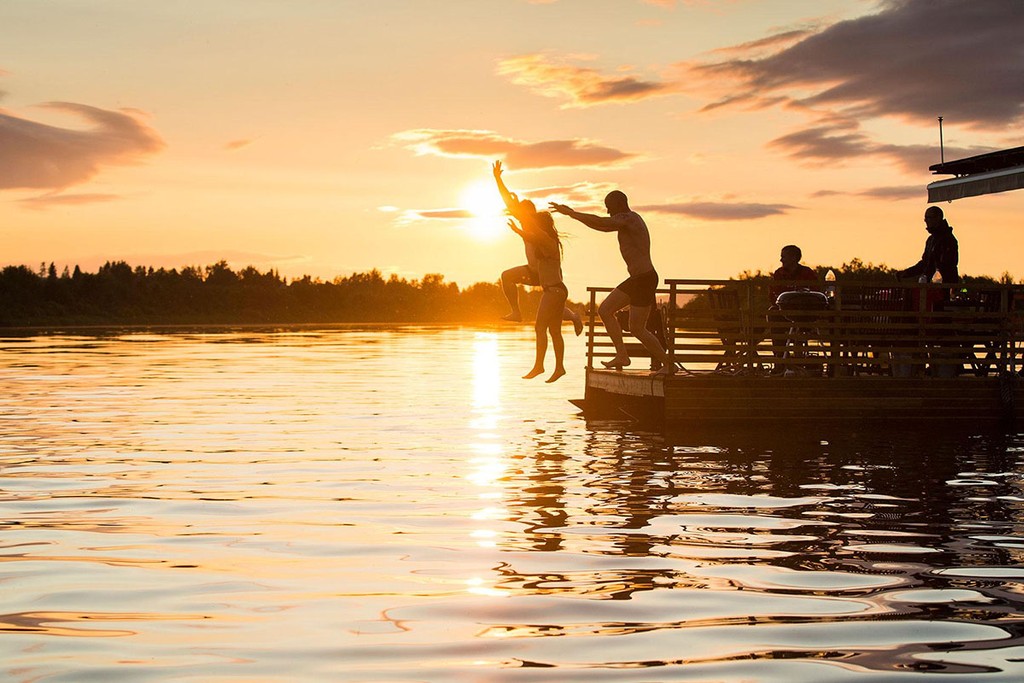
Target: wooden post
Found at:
x=1006, y=340
x=833, y=347
x=747, y=330
x=670, y=327
x=591, y=310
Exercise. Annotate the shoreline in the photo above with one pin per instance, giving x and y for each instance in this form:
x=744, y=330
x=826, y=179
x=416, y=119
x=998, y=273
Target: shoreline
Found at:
x=37, y=330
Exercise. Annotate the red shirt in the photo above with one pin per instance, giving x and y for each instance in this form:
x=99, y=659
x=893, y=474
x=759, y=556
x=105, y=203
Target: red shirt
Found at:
x=802, y=272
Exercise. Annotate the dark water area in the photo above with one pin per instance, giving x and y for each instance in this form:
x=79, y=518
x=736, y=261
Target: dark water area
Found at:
x=396, y=504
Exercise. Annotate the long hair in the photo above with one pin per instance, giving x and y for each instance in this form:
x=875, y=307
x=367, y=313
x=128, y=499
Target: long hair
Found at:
x=546, y=223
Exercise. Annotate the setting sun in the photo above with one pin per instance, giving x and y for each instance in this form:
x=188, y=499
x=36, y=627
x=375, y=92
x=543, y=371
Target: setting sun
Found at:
x=487, y=211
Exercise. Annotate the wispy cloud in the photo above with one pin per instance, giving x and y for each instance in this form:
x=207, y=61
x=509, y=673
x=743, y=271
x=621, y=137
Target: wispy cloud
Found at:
x=444, y=214
x=579, y=86
x=913, y=59
x=517, y=154
x=234, y=145
x=837, y=142
x=37, y=155
x=720, y=210
x=583, y=194
x=892, y=193
x=770, y=43
x=49, y=200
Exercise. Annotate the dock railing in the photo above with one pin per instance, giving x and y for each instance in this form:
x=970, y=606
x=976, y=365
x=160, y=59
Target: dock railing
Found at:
x=864, y=328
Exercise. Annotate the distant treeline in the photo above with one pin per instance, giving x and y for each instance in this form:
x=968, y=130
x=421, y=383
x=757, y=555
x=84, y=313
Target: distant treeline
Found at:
x=120, y=294
x=857, y=270
x=854, y=271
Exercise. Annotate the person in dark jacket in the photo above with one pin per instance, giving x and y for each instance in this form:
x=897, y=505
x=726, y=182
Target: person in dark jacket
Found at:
x=941, y=251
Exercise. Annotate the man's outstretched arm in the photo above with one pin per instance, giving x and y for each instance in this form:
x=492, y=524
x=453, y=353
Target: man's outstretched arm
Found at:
x=602, y=223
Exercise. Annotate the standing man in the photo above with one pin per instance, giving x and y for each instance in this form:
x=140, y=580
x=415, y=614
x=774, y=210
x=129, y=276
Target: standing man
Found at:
x=941, y=251
x=638, y=290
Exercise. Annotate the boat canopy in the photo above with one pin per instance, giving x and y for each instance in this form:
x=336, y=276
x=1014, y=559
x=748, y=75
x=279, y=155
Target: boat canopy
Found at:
x=983, y=174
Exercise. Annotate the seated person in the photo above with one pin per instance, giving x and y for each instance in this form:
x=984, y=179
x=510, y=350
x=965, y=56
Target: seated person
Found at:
x=790, y=270
x=784, y=279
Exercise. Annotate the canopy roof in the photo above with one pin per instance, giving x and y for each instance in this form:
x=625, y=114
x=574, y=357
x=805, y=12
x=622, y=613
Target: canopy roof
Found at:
x=983, y=174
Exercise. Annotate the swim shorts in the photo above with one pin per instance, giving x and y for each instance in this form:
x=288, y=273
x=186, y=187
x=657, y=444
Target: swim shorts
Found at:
x=640, y=288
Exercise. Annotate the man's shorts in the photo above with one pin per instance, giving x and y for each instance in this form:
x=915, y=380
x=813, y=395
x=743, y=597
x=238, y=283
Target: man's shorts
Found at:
x=640, y=288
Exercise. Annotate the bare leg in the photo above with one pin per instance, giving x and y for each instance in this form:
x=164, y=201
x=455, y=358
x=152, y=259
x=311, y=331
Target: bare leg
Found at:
x=541, y=330
x=510, y=280
x=638, y=325
x=615, y=301
x=555, y=330
x=577, y=321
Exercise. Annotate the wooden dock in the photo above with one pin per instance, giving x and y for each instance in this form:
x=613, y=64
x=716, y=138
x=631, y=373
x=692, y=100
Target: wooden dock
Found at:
x=880, y=352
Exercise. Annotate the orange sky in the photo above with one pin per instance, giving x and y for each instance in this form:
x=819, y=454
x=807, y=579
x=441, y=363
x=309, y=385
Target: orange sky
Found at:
x=327, y=137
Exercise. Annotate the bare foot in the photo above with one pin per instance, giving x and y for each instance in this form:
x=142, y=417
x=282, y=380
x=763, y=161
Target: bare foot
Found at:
x=665, y=371
x=555, y=375
x=533, y=373
x=513, y=317
x=577, y=324
x=616, y=363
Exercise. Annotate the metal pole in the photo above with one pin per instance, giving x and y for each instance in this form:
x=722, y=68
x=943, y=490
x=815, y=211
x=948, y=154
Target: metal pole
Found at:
x=942, y=149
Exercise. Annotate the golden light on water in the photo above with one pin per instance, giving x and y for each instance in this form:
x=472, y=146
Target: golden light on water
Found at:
x=479, y=586
x=486, y=374
x=488, y=466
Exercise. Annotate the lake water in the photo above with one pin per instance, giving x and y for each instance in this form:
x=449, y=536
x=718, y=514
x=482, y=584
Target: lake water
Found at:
x=396, y=504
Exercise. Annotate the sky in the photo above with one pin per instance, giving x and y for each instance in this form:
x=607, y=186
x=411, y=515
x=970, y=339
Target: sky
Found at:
x=327, y=137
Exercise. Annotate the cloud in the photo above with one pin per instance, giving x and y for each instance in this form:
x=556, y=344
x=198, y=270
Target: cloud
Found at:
x=233, y=145
x=580, y=86
x=670, y=4
x=837, y=141
x=49, y=200
x=446, y=214
x=914, y=60
x=590, y=194
x=720, y=211
x=517, y=154
x=775, y=41
x=892, y=193
x=37, y=155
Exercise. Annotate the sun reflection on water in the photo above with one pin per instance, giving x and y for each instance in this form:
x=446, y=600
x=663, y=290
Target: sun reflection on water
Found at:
x=488, y=464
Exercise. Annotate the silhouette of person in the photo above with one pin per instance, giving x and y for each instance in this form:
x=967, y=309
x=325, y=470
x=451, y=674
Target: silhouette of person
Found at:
x=541, y=235
x=638, y=290
x=790, y=270
x=525, y=274
x=941, y=251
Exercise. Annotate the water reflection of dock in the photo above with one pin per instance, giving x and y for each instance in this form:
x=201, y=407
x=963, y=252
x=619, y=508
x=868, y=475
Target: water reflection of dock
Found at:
x=875, y=351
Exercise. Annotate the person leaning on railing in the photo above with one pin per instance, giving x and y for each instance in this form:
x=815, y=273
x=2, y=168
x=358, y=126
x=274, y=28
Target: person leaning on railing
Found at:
x=941, y=251
x=942, y=255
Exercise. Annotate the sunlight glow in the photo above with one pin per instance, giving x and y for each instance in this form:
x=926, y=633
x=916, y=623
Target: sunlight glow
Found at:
x=478, y=586
x=488, y=211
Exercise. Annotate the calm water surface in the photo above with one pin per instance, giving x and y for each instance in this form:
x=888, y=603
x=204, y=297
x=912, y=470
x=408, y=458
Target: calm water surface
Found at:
x=395, y=504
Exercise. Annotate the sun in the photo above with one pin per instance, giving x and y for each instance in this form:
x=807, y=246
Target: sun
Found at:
x=487, y=211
